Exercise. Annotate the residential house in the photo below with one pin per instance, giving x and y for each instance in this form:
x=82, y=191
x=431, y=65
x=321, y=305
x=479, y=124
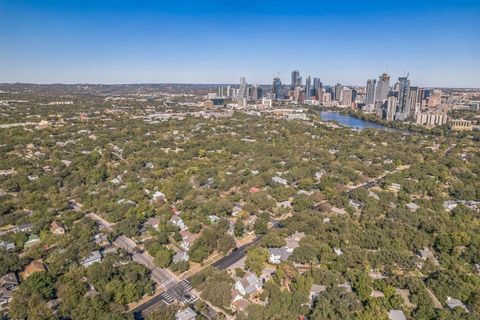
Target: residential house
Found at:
x=395, y=187
x=338, y=251
x=94, y=257
x=293, y=240
x=240, y=305
x=251, y=220
x=31, y=268
x=338, y=211
x=355, y=203
x=278, y=180
x=57, y=228
x=427, y=254
x=26, y=227
x=254, y=190
x=315, y=290
x=455, y=303
x=185, y=314
x=7, y=246
x=153, y=222
x=33, y=239
x=267, y=274
x=236, y=210
x=158, y=197
x=180, y=256
x=101, y=240
x=248, y=284
x=346, y=286
x=278, y=255
x=5, y=297
x=236, y=295
x=449, y=205
x=284, y=204
x=213, y=219
x=412, y=206
x=377, y=294
x=376, y=275
x=177, y=221
x=187, y=239
x=396, y=315
x=9, y=281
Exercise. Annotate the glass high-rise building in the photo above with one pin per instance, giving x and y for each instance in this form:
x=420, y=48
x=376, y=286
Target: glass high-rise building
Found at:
x=308, y=87
x=242, y=91
x=277, y=88
x=403, y=107
x=370, y=92
x=337, y=92
x=317, y=87
x=296, y=79
x=383, y=87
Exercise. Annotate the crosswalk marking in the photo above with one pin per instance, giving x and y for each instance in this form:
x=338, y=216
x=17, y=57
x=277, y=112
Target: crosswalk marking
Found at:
x=167, y=282
x=167, y=298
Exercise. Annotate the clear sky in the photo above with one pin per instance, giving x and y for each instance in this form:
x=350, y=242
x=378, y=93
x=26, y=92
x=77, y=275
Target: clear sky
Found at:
x=215, y=41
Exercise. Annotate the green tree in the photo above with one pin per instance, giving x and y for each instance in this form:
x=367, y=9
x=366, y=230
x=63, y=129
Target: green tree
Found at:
x=255, y=259
x=163, y=257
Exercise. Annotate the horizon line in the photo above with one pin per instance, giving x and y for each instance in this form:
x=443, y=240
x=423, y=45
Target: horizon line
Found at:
x=191, y=83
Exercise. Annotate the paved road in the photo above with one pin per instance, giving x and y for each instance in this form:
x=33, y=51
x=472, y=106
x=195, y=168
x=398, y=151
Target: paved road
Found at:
x=182, y=291
x=162, y=277
x=367, y=185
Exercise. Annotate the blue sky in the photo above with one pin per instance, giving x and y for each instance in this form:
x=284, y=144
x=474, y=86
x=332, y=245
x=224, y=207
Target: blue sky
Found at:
x=213, y=41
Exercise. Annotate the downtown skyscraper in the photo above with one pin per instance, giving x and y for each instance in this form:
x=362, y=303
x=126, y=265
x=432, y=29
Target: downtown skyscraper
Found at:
x=296, y=80
x=370, y=92
x=318, y=88
x=337, y=92
x=242, y=91
x=403, y=108
x=277, y=88
x=308, y=87
x=383, y=87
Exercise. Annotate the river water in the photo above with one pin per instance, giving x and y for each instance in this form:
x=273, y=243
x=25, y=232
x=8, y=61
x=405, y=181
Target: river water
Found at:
x=348, y=121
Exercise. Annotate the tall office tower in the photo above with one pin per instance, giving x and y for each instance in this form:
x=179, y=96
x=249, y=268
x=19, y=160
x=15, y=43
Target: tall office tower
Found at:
x=390, y=108
x=229, y=91
x=308, y=87
x=242, y=91
x=318, y=88
x=221, y=91
x=370, y=92
x=296, y=79
x=337, y=92
x=277, y=88
x=326, y=98
x=259, y=93
x=383, y=86
x=403, y=94
x=255, y=92
x=346, y=99
x=250, y=93
x=413, y=101
x=297, y=93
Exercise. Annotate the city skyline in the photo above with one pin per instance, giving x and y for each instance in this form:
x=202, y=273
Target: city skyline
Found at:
x=217, y=43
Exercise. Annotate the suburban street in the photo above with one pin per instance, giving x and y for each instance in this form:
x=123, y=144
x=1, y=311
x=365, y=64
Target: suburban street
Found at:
x=162, y=277
x=181, y=291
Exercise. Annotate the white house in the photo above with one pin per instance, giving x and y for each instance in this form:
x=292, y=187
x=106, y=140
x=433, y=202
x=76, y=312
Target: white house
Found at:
x=279, y=180
x=94, y=257
x=176, y=220
x=248, y=284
